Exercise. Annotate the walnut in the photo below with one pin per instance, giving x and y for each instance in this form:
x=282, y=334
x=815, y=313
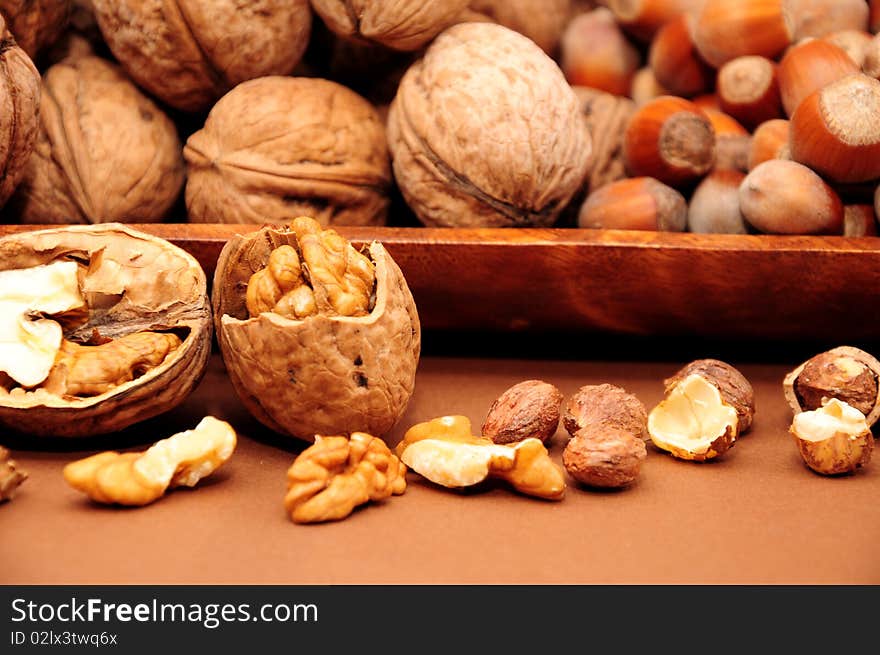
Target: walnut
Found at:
x=598, y=408
x=279, y=147
x=36, y=23
x=101, y=327
x=336, y=474
x=607, y=119
x=11, y=476
x=105, y=151
x=611, y=458
x=543, y=21
x=335, y=371
x=18, y=115
x=137, y=479
x=505, y=145
x=529, y=409
x=188, y=53
x=402, y=25
x=846, y=373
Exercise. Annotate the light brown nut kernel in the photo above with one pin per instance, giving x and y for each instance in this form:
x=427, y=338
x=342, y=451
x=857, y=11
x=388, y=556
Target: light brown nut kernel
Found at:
x=694, y=421
x=611, y=458
x=528, y=409
x=441, y=451
x=833, y=439
x=734, y=387
x=11, y=476
x=595, y=409
x=845, y=373
x=136, y=479
x=336, y=474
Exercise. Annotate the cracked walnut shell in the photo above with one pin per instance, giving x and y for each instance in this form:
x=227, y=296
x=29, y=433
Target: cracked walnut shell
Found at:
x=325, y=372
x=398, y=24
x=105, y=151
x=336, y=474
x=19, y=109
x=505, y=145
x=188, y=53
x=280, y=147
x=129, y=329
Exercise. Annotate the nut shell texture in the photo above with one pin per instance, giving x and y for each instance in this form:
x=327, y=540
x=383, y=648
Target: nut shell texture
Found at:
x=135, y=282
x=735, y=389
x=36, y=23
x=19, y=108
x=543, y=21
x=528, y=409
x=276, y=148
x=599, y=408
x=485, y=132
x=324, y=374
x=188, y=53
x=398, y=24
x=609, y=459
x=105, y=152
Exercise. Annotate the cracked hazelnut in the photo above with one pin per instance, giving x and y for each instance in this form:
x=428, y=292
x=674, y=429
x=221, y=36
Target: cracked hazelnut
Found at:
x=528, y=409
x=610, y=459
x=845, y=373
x=833, y=439
x=735, y=389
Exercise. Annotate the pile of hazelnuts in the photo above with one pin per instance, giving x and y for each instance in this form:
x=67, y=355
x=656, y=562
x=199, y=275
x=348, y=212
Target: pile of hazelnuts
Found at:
x=739, y=116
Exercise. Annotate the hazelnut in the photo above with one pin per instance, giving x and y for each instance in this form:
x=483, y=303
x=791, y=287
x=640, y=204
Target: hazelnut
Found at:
x=595, y=53
x=859, y=221
x=769, y=141
x=809, y=66
x=675, y=61
x=835, y=130
x=816, y=18
x=638, y=203
x=596, y=409
x=611, y=458
x=853, y=42
x=874, y=16
x=844, y=373
x=671, y=139
x=784, y=197
x=748, y=89
x=735, y=389
x=645, y=18
x=714, y=206
x=871, y=58
x=732, y=141
x=707, y=101
x=833, y=439
x=529, y=409
x=645, y=87
x=725, y=30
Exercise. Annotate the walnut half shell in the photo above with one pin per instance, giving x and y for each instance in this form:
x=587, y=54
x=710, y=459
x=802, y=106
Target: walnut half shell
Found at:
x=323, y=374
x=132, y=285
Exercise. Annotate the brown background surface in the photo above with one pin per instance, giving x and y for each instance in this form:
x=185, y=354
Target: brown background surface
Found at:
x=757, y=516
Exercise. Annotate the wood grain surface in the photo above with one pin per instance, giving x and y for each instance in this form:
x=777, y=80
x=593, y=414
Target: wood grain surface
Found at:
x=621, y=282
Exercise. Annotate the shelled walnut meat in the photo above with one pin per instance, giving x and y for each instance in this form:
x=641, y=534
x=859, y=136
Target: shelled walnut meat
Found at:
x=485, y=132
x=397, y=24
x=11, y=476
x=188, y=53
x=19, y=110
x=318, y=337
x=275, y=148
x=36, y=23
x=100, y=327
x=105, y=151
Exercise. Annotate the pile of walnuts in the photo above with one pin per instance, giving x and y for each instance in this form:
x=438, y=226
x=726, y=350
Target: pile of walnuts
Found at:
x=719, y=116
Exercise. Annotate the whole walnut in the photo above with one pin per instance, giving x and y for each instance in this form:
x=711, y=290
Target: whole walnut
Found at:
x=36, y=23
x=19, y=108
x=105, y=151
x=485, y=132
x=275, y=148
x=543, y=21
x=188, y=53
x=398, y=24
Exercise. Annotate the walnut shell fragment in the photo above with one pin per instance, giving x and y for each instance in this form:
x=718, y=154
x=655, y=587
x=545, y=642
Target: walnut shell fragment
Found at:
x=276, y=148
x=734, y=387
x=11, y=476
x=36, y=23
x=105, y=151
x=502, y=146
x=846, y=373
x=325, y=373
x=833, y=439
x=529, y=409
x=19, y=109
x=401, y=25
x=134, y=348
x=188, y=53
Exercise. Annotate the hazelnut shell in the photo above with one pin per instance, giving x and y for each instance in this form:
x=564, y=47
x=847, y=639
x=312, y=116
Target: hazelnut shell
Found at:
x=594, y=409
x=609, y=459
x=734, y=387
